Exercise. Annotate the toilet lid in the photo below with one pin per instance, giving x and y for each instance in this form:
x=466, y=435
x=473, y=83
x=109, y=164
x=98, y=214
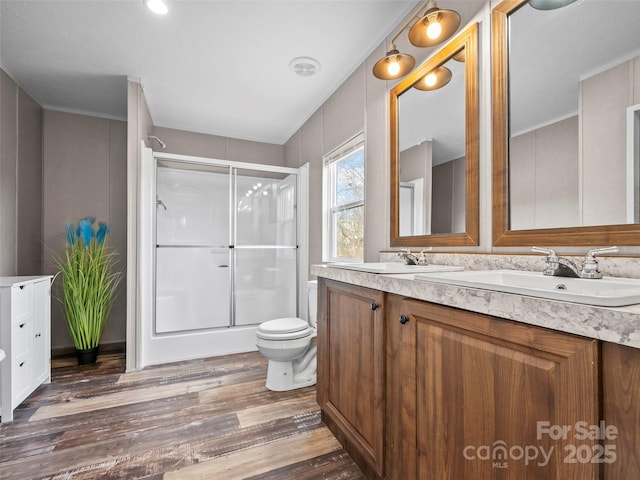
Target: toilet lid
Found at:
x=284, y=328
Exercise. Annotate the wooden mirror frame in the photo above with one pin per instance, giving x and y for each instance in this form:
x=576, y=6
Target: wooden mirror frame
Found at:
x=627, y=234
x=467, y=40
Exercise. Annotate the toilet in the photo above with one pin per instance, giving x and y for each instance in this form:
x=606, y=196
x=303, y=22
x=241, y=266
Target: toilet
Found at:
x=289, y=344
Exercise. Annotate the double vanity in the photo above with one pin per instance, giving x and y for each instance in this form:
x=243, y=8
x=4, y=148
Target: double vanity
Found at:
x=497, y=371
x=480, y=374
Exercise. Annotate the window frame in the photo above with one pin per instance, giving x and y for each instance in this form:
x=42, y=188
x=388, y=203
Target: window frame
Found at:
x=330, y=208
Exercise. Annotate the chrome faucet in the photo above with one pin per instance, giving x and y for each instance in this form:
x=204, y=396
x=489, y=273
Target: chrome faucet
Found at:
x=413, y=259
x=563, y=267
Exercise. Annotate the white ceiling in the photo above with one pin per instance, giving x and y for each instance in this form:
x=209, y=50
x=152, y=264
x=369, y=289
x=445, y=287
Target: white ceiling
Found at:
x=218, y=67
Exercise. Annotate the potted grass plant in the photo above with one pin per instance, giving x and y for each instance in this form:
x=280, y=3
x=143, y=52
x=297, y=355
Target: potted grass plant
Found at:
x=89, y=283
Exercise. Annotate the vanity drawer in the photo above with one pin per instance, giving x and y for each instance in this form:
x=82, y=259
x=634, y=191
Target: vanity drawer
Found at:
x=21, y=304
x=21, y=338
x=21, y=379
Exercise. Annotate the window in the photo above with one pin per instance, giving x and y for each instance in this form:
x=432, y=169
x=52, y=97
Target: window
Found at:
x=343, y=233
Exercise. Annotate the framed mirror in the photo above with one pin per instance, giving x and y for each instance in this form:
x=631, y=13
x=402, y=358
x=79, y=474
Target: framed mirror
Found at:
x=566, y=127
x=434, y=149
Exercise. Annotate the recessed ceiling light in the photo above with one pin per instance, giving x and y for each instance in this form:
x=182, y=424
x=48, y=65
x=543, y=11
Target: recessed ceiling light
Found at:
x=157, y=6
x=305, y=66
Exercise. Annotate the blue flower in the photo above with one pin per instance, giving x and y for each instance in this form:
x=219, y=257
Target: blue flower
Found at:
x=103, y=229
x=86, y=230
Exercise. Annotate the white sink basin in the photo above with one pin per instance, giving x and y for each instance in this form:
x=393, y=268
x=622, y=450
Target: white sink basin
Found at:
x=394, y=267
x=607, y=291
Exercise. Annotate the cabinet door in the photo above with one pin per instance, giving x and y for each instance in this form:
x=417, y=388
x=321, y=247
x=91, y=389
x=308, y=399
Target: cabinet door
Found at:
x=41, y=332
x=498, y=399
x=621, y=410
x=351, y=370
x=400, y=451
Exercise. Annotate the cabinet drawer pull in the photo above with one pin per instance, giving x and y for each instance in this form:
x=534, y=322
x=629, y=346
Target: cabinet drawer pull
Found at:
x=38, y=335
x=21, y=287
x=21, y=364
x=22, y=325
x=374, y=306
x=403, y=319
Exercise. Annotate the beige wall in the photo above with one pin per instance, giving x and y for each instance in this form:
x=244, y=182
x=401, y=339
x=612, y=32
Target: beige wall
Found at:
x=558, y=182
x=221, y=148
x=340, y=118
x=415, y=162
x=306, y=146
x=544, y=176
x=604, y=100
x=85, y=171
x=20, y=181
x=448, y=199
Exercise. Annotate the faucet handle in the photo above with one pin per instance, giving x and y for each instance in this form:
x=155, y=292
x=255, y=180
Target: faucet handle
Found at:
x=548, y=251
x=552, y=262
x=590, y=264
x=591, y=254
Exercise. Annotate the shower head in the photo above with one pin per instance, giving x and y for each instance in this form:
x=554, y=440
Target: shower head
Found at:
x=162, y=144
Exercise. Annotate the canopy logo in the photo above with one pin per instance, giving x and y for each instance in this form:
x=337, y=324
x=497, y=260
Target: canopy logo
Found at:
x=500, y=454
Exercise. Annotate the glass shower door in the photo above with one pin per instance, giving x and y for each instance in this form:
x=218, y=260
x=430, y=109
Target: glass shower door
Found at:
x=265, y=279
x=193, y=259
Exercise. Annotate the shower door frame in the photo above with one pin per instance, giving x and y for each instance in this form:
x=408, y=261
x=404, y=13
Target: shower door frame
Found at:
x=168, y=347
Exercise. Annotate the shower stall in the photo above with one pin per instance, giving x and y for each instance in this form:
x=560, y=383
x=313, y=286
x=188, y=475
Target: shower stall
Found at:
x=224, y=254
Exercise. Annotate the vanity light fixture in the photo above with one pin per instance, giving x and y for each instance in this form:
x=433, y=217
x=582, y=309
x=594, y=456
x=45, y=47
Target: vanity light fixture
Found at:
x=433, y=27
x=393, y=65
x=156, y=6
x=435, y=79
x=550, y=4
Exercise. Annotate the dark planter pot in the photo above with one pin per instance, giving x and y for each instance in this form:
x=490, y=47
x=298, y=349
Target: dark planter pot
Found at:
x=87, y=357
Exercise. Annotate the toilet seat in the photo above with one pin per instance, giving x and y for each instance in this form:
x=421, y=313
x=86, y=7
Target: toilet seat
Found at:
x=290, y=328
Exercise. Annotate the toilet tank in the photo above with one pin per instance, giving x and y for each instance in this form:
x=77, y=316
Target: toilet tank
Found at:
x=312, y=291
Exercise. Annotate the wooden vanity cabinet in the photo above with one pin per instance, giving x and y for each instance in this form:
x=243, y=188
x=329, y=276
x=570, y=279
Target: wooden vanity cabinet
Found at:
x=462, y=384
x=350, y=388
x=415, y=390
x=621, y=409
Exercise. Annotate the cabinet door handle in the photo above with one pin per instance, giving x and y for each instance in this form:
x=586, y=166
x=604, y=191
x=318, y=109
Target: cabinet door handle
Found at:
x=22, y=325
x=21, y=287
x=374, y=306
x=22, y=364
x=38, y=335
x=404, y=319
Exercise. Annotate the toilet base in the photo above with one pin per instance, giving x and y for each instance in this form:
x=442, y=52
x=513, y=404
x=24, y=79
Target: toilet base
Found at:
x=283, y=376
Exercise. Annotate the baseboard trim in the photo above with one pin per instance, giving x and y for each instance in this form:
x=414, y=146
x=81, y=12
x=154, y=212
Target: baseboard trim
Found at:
x=115, y=347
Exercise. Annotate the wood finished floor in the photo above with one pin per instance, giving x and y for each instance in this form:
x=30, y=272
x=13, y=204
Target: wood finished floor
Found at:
x=202, y=419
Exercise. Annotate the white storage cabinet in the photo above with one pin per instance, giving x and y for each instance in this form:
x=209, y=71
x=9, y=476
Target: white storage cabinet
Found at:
x=25, y=337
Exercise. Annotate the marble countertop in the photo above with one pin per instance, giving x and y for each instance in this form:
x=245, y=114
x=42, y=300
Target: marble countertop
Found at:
x=612, y=324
